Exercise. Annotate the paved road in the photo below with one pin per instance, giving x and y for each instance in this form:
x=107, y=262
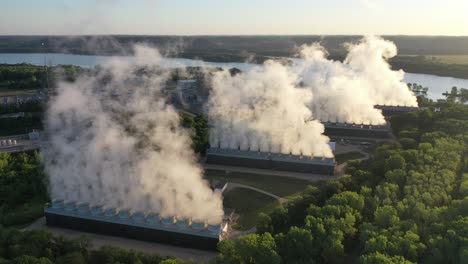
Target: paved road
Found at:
x=188, y=254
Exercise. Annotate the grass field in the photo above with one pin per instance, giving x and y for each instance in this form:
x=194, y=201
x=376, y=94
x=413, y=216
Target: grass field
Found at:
x=449, y=59
x=349, y=156
x=281, y=186
x=248, y=204
x=7, y=92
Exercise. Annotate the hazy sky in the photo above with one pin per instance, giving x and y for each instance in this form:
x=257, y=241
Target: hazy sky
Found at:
x=233, y=17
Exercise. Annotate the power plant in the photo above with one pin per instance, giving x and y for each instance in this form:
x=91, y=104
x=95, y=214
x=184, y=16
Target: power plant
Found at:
x=353, y=130
x=389, y=110
x=146, y=184
x=271, y=161
x=136, y=225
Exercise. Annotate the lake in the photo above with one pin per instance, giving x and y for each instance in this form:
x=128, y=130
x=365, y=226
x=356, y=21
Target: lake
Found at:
x=437, y=85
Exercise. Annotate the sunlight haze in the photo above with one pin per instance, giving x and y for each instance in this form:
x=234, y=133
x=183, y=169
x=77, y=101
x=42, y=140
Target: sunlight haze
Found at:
x=242, y=17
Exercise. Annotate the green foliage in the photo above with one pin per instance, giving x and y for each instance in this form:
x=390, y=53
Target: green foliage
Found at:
x=199, y=128
x=407, y=203
x=464, y=185
x=26, y=76
x=40, y=247
x=23, y=188
x=296, y=246
x=22, y=76
x=379, y=258
x=253, y=248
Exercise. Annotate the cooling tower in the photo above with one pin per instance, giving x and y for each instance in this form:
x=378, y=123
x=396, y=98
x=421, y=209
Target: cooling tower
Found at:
x=137, y=225
x=389, y=110
x=356, y=130
x=271, y=161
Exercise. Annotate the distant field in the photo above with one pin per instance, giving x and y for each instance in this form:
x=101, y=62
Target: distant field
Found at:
x=449, y=59
x=7, y=92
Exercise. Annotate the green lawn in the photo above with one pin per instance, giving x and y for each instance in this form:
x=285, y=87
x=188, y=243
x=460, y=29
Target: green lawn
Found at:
x=340, y=158
x=281, y=186
x=7, y=92
x=248, y=204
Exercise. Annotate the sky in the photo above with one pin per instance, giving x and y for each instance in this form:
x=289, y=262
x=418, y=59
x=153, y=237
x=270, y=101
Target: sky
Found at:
x=234, y=17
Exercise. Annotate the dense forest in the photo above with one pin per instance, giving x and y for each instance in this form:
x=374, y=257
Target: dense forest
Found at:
x=23, y=188
x=26, y=76
x=408, y=203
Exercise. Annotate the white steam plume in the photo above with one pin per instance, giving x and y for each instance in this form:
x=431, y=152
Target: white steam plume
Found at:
x=263, y=109
x=347, y=91
x=113, y=141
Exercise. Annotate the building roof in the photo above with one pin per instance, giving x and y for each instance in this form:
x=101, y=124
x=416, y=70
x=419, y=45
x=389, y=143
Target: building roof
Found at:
x=138, y=219
x=356, y=126
x=271, y=156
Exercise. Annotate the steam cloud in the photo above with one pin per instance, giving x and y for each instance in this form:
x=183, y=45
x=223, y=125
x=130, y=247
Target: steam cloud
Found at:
x=114, y=141
x=264, y=110
x=277, y=108
x=347, y=91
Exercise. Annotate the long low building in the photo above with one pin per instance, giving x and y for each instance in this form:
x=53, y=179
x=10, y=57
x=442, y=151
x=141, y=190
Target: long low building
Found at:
x=150, y=227
x=353, y=130
x=389, y=110
x=271, y=161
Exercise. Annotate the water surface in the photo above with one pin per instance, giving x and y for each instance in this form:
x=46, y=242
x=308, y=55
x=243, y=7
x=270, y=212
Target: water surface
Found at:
x=437, y=85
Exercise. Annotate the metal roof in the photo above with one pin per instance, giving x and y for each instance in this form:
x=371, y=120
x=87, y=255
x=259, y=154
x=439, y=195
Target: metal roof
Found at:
x=138, y=219
x=385, y=127
x=271, y=156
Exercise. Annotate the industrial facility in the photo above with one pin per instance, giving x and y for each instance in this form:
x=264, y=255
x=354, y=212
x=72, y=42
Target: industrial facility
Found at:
x=389, y=110
x=271, y=161
x=353, y=130
x=135, y=225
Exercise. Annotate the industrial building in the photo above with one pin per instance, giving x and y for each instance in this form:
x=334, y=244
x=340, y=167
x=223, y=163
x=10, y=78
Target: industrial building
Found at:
x=135, y=225
x=353, y=130
x=271, y=161
x=389, y=110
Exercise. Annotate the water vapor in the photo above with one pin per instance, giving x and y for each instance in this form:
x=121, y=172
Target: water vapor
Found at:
x=348, y=91
x=278, y=107
x=114, y=141
x=264, y=110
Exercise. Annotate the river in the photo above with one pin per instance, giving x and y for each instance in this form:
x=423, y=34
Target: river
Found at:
x=437, y=85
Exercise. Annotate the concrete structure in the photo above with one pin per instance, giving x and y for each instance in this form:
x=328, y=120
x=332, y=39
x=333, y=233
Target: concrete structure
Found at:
x=353, y=130
x=137, y=225
x=389, y=110
x=271, y=161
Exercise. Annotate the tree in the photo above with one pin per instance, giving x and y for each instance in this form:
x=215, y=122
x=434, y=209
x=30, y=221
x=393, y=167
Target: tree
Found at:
x=395, y=162
x=252, y=248
x=379, y=258
x=297, y=246
x=25, y=259
x=386, y=216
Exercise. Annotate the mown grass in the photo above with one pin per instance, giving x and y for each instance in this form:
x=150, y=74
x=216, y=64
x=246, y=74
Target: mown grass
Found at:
x=7, y=92
x=281, y=186
x=248, y=204
x=340, y=158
